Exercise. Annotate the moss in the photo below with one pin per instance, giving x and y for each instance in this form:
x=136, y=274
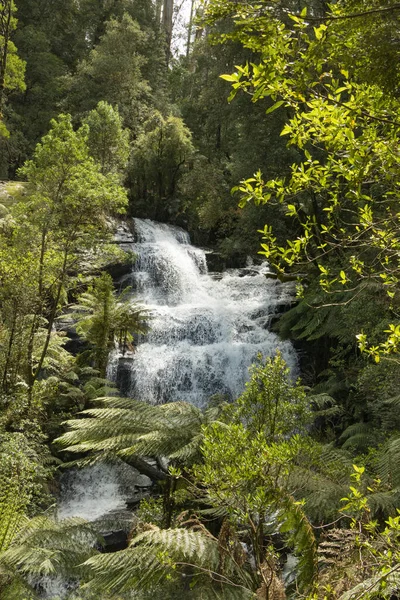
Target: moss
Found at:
x=12, y=191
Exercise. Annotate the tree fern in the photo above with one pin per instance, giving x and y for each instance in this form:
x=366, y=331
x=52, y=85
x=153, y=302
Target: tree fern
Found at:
x=103, y=319
x=156, y=555
x=387, y=462
x=44, y=546
x=125, y=427
x=359, y=436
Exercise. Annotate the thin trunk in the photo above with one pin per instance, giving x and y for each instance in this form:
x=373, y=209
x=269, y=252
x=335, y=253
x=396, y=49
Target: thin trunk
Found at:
x=30, y=370
x=190, y=27
x=4, y=384
x=168, y=10
x=104, y=342
x=52, y=317
x=158, y=12
x=6, y=21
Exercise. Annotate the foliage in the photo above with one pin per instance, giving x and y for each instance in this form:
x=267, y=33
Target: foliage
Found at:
x=103, y=319
x=45, y=547
x=64, y=214
x=341, y=196
x=156, y=556
x=107, y=140
x=12, y=68
x=159, y=155
x=113, y=72
x=362, y=560
x=272, y=405
x=127, y=427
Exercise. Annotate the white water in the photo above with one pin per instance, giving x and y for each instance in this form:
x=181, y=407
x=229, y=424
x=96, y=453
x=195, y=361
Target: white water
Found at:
x=205, y=331
x=91, y=493
x=98, y=490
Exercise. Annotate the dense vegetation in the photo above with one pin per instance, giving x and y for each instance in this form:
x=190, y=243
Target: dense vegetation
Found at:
x=99, y=119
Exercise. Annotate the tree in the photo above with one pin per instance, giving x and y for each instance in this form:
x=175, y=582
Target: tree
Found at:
x=115, y=71
x=103, y=319
x=108, y=141
x=241, y=470
x=159, y=156
x=341, y=196
x=12, y=68
x=62, y=217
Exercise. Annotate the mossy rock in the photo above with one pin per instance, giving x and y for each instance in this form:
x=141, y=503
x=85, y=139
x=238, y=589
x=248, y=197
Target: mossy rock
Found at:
x=11, y=192
x=3, y=211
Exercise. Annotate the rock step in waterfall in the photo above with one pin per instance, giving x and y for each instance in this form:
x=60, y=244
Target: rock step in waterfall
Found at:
x=206, y=329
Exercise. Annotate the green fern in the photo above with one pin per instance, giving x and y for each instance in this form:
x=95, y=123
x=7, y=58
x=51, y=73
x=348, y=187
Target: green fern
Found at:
x=293, y=520
x=380, y=585
x=44, y=546
x=125, y=427
x=359, y=436
x=387, y=462
x=155, y=556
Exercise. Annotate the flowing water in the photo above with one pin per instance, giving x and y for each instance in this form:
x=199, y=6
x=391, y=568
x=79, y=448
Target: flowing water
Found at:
x=206, y=329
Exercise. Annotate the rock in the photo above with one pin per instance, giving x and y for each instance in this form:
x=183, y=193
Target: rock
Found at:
x=115, y=540
x=248, y=272
x=143, y=481
x=124, y=238
x=135, y=499
x=124, y=375
x=215, y=261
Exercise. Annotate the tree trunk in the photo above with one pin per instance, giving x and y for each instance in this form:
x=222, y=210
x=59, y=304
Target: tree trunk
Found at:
x=168, y=10
x=5, y=21
x=190, y=27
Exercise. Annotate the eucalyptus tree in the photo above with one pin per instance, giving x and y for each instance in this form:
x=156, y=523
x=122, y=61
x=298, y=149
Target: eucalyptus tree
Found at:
x=123, y=69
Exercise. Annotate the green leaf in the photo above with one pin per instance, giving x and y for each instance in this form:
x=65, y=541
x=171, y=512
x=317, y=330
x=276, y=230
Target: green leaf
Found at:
x=274, y=107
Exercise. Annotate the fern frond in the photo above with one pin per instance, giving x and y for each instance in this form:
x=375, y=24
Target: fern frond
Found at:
x=294, y=521
x=360, y=436
x=388, y=462
x=157, y=555
x=44, y=546
x=129, y=427
x=384, y=584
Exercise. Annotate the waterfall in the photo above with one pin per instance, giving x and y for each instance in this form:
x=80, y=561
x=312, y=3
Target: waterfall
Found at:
x=206, y=329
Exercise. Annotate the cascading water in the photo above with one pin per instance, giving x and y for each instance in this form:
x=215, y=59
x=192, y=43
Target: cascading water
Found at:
x=205, y=330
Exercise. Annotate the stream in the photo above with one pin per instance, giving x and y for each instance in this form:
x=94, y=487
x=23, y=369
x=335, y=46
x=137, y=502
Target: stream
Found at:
x=206, y=329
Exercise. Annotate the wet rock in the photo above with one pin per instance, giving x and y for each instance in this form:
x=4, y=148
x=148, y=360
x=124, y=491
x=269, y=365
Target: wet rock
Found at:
x=136, y=499
x=115, y=540
x=143, y=481
x=124, y=238
x=124, y=375
x=215, y=261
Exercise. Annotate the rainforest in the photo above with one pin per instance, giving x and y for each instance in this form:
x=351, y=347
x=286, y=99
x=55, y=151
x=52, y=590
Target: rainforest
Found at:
x=199, y=300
